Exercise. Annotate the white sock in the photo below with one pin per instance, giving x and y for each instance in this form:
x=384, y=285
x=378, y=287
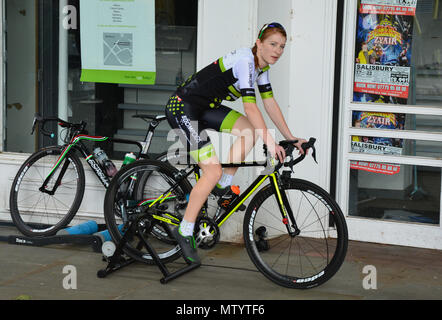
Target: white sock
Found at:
x=226, y=180
x=186, y=228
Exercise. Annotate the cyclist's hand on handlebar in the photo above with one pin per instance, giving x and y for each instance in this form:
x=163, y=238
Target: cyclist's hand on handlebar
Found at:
x=277, y=152
x=298, y=145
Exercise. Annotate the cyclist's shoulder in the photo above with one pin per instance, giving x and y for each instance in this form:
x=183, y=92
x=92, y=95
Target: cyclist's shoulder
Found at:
x=241, y=55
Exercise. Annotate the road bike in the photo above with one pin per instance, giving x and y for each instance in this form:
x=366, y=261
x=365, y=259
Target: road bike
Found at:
x=48, y=189
x=293, y=230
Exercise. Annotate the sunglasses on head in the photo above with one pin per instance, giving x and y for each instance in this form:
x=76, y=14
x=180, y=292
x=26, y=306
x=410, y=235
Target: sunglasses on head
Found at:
x=270, y=25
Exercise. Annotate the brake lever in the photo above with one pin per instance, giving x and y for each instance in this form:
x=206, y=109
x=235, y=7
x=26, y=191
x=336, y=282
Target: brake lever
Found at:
x=37, y=118
x=310, y=144
x=305, y=146
x=34, y=122
x=314, y=153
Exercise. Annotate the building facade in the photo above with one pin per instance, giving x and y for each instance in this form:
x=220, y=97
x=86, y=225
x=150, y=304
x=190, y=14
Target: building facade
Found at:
x=364, y=79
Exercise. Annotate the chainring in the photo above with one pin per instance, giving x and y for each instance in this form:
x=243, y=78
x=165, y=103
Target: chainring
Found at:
x=206, y=233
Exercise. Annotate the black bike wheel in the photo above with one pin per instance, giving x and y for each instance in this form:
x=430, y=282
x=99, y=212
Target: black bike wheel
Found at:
x=305, y=260
x=153, y=178
x=40, y=213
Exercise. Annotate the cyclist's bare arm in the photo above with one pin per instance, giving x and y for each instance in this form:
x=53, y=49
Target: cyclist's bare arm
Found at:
x=256, y=119
x=274, y=111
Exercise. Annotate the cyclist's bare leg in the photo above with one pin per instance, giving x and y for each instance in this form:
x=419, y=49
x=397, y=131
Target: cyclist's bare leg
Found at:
x=247, y=138
x=211, y=173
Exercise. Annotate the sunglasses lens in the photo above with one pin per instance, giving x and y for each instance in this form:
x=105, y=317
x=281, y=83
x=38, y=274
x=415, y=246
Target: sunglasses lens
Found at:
x=271, y=25
x=276, y=25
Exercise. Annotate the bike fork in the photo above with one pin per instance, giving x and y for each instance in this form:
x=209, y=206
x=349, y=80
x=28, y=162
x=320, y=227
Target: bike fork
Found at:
x=284, y=205
x=57, y=183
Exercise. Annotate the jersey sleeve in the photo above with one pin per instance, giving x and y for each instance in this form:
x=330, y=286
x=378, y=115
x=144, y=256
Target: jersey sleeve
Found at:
x=264, y=86
x=243, y=71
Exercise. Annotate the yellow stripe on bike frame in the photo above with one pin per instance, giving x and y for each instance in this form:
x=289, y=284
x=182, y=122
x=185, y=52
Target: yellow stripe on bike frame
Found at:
x=245, y=198
x=170, y=216
x=278, y=193
x=159, y=198
x=166, y=197
x=164, y=220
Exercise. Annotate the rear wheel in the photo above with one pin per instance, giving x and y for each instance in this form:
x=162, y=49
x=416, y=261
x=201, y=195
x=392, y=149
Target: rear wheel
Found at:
x=42, y=211
x=148, y=179
x=296, y=261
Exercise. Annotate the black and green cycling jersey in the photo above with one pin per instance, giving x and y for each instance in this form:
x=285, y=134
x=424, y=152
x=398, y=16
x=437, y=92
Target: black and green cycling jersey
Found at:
x=197, y=103
x=228, y=78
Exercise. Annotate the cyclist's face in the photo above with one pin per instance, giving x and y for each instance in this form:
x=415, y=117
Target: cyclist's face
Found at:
x=271, y=48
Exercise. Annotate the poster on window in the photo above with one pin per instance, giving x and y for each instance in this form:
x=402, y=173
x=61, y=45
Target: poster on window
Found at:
x=382, y=72
x=375, y=167
x=377, y=145
x=397, y=7
x=383, y=54
x=118, y=41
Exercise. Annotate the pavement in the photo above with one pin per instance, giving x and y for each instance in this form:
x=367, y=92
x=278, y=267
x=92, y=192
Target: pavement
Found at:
x=69, y=272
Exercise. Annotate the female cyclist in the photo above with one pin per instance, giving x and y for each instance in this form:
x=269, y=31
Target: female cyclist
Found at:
x=196, y=106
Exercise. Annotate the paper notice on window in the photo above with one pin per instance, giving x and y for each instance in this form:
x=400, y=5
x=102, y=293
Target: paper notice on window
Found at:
x=118, y=41
x=376, y=167
x=382, y=80
x=363, y=147
x=395, y=7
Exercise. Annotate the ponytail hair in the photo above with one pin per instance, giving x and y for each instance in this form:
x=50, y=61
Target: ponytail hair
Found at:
x=255, y=57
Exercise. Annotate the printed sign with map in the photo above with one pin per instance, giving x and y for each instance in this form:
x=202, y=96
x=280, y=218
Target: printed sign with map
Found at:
x=118, y=41
x=118, y=49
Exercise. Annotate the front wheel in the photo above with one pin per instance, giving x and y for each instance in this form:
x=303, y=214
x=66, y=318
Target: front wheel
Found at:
x=298, y=261
x=39, y=209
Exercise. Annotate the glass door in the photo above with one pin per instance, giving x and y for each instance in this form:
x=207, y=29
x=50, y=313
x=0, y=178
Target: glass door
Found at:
x=391, y=122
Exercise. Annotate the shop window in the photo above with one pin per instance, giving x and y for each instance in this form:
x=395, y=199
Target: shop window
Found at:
x=398, y=62
x=395, y=192
x=36, y=82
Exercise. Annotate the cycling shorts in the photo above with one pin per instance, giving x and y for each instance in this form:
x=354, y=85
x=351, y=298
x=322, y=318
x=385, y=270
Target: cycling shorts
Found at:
x=191, y=121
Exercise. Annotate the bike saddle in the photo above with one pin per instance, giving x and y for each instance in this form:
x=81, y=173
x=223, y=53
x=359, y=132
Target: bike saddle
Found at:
x=151, y=117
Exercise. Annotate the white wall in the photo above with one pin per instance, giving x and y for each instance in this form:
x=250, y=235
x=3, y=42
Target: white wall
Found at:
x=221, y=30
x=312, y=81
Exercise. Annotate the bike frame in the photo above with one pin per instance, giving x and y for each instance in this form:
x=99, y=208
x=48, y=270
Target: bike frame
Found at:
x=274, y=180
x=76, y=144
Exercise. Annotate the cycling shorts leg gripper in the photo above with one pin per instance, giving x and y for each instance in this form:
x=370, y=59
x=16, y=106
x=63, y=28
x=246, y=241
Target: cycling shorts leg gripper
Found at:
x=229, y=121
x=203, y=154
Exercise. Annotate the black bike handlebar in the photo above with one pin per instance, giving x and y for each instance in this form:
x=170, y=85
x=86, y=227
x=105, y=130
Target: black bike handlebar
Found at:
x=41, y=121
x=289, y=147
x=305, y=146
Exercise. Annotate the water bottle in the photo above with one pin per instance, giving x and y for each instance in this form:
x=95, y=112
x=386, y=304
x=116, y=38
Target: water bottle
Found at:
x=100, y=155
x=110, y=168
x=129, y=158
x=108, y=165
x=88, y=227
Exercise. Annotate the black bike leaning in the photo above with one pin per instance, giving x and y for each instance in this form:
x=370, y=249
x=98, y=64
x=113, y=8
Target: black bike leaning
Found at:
x=49, y=186
x=294, y=232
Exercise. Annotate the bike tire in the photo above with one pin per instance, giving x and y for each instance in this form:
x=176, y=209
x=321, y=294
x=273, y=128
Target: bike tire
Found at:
x=308, y=259
x=36, y=213
x=164, y=175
